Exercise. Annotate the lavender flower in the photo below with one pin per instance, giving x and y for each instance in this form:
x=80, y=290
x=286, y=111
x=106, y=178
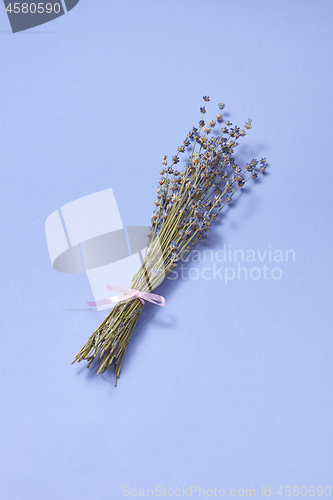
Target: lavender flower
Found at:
x=188, y=203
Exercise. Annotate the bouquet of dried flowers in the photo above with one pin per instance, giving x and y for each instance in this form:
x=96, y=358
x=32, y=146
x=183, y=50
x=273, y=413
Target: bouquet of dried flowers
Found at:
x=187, y=204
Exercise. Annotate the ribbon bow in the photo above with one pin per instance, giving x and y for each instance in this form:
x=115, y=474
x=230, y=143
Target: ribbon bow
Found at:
x=128, y=293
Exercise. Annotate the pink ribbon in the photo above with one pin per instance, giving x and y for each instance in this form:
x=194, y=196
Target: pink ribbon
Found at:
x=128, y=293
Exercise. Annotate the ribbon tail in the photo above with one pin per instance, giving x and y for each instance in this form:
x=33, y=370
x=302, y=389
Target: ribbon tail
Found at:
x=158, y=300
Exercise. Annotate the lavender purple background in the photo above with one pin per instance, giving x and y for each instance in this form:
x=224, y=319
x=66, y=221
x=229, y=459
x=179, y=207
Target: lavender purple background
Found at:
x=229, y=386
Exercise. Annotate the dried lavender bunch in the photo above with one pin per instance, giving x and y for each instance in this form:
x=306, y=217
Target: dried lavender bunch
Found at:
x=187, y=203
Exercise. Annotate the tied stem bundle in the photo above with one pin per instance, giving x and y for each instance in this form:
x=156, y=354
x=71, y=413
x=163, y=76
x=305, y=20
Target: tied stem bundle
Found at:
x=187, y=204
